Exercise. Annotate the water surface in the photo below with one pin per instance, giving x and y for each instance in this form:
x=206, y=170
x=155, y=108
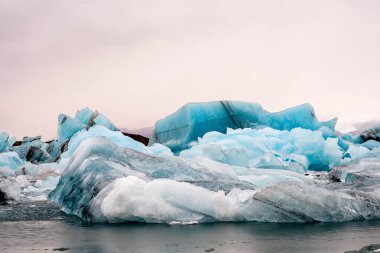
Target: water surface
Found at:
x=37, y=234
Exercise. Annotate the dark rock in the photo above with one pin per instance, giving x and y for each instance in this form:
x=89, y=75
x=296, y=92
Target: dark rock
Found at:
x=3, y=198
x=372, y=133
x=36, y=155
x=64, y=146
x=144, y=140
x=17, y=143
x=209, y=250
x=61, y=249
x=367, y=249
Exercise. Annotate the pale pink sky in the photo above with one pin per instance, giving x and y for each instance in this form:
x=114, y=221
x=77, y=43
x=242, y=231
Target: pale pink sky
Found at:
x=137, y=61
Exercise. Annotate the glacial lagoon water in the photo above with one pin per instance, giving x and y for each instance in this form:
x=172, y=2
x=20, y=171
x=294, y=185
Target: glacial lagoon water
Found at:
x=41, y=227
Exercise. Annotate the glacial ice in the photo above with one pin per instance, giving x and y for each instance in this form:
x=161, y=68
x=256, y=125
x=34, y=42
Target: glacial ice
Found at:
x=298, y=149
x=371, y=144
x=32, y=149
x=372, y=133
x=3, y=142
x=194, y=120
x=69, y=126
x=233, y=161
x=102, y=120
x=106, y=183
x=85, y=118
x=34, y=165
x=10, y=160
x=116, y=137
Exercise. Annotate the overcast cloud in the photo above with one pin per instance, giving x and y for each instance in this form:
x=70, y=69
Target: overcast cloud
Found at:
x=137, y=61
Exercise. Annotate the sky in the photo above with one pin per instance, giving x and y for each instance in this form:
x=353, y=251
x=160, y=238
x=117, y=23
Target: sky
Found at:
x=138, y=61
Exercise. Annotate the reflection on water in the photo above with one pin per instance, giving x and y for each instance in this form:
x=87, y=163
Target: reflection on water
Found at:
x=45, y=236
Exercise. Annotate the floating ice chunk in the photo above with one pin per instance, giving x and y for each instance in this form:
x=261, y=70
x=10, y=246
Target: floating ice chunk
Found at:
x=298, y=149
x=10, y=160
x=194, y=120
x=105, y=183
x=98, y=162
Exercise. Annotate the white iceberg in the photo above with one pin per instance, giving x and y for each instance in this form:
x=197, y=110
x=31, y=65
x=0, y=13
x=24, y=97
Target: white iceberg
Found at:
x=106, y=183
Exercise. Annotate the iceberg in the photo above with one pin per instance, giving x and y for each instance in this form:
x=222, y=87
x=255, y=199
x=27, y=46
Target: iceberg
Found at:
x=32, y=149
x=194, y=120
x=232, y=161
x=69, y=126
x=98, y=162
x=106, y=183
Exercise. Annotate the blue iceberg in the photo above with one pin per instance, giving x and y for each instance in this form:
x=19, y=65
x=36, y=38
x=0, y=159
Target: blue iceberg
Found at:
x=233, y=161
x=69, y=126
x=106, y=183
x=115, y=137
x=194, y=120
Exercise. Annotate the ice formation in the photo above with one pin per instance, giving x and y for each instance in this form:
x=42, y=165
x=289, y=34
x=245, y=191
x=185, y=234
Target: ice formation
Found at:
x=194, y=120
x=105, y=183
x=10, y=160
x=3, y=141
x=298, y=149
x=372, y=133
x=232, y=161
x=116, y=137
x=68, y=127
x=35, y=166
